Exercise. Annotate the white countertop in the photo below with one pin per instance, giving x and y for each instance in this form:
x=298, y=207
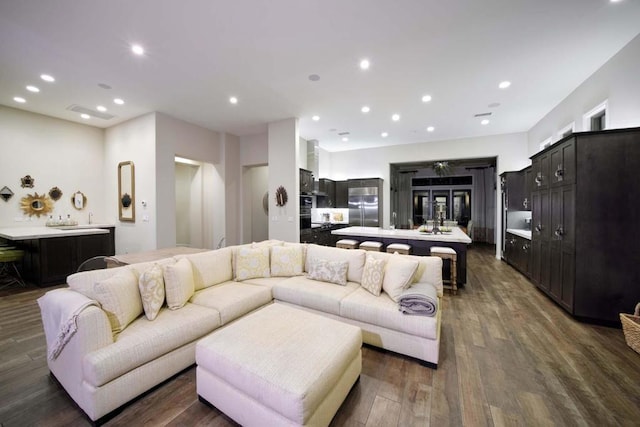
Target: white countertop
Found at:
x=526, y=234
x=23, y=233
x=456, y=235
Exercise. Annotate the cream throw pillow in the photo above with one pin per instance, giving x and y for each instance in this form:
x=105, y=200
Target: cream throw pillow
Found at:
x=329, y=271
x=398, y=275
x=178, y=283
x=373, y=275
x=151, y=286
x=119, y=298
x=211, y=267
x=286, y=261
x=252, y=263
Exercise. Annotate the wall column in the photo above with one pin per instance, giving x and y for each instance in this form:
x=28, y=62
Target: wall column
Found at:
x=284, y=223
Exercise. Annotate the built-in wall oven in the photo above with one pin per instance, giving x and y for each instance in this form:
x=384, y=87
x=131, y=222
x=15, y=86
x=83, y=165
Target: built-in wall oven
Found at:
x=305, y=211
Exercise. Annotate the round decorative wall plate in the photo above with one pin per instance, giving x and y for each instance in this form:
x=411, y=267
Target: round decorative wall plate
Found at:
x=281, y=196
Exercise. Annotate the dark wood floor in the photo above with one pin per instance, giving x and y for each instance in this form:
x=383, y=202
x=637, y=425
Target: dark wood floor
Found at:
x=509, y=356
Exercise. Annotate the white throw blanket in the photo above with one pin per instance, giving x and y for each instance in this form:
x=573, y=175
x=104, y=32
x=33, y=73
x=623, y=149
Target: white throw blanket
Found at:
x=60, y=309
x=420, y=299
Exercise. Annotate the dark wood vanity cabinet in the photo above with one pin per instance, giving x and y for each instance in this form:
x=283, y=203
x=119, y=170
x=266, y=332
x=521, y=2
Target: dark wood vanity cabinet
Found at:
x=585, y=252
x=48, y=261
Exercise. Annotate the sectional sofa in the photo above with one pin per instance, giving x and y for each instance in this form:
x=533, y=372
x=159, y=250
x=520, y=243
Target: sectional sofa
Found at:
x=137, y=325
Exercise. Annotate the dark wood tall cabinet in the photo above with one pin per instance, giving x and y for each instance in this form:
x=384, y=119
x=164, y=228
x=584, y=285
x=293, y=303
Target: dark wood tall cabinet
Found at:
x=585, y=198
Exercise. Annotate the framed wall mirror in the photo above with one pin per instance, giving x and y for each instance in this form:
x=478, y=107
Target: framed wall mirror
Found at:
x=126, y=192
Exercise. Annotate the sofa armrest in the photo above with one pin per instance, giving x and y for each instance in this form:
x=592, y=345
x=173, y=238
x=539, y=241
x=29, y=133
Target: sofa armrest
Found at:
x=93, y=332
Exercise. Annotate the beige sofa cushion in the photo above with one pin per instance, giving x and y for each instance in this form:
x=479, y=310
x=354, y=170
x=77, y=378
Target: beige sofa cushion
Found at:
x=179, y=284
x=210, y=268
x=429, y=268
x=328, y=271
x=268, y=282
x=83, y=282
x=120, y=299
x=313, y=294
x=355, y=258
x=287, y=260
x=144, y=340
x=383, y=311
x=252, y=262
x=151, y=285
x=398, y=275
x=373, y=275
x=232, y=299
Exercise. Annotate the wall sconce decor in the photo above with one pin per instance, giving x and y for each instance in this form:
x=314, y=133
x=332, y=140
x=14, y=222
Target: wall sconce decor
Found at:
x=281, y=196
x=126, y=192
x=55, y=193
x=6, y=193
x=27, y=181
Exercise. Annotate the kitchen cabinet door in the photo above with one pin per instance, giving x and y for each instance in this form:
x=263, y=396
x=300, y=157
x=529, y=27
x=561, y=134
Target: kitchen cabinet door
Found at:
x=562, y=164
x=540, y=171
x=528, y=188
x=342, y=194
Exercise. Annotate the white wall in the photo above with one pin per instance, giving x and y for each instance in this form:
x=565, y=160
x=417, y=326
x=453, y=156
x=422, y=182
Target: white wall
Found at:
x=176, y=137
x=618, y=81
x=188, y=205
x=56, y=153
x=134, y=140
x=254, y=150
x=284, y=221
x=255, y=225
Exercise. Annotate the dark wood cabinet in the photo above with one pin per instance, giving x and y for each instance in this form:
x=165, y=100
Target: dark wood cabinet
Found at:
x=517, y=252
x=306, y=181
x=342, y=194
x=48, y=261
x=585, y=239
x=326, y=197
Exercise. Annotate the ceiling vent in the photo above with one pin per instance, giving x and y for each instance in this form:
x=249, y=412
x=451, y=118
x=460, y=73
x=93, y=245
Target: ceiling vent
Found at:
x=343, y=133
x=93, y=113
x=482, y=114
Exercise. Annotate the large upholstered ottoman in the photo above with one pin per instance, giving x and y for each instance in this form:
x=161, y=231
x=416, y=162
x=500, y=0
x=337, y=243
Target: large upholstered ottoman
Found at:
x=279, y=366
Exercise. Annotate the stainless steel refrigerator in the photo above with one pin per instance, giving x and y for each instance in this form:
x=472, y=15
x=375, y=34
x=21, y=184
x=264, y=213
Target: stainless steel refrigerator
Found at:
x=365, y=202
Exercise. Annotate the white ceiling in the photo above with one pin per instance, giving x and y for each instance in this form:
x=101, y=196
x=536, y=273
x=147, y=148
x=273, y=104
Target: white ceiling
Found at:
x=201, y=52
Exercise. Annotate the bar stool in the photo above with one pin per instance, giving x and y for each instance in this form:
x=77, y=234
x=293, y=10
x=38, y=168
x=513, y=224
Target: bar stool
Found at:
x=347, y=244
x=371, y=246
x=9, y=273
x=401, y=248
x=452, y=256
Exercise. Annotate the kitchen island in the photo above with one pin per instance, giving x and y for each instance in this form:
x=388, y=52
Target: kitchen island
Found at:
x=53, y=253
x=420, y=242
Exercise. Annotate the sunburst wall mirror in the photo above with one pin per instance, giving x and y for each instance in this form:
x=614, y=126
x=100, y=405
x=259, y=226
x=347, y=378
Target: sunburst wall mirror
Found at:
x=36, y=204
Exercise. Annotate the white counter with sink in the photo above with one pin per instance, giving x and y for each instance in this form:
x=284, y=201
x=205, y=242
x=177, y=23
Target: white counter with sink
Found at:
x=24, y=233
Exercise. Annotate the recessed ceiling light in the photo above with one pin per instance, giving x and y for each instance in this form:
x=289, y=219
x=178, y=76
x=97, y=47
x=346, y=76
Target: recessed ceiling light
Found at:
x=426, y=98
x=615, y=1
x=395, y=117
x=85, y=116
x=505, y=84
x=101, y=108
x=233, y=100
x=19, y=99
x=365, y=109
x=430, y=129
x=365, y=64
x=384, y=134
x=485, y=122
x=345, y=139
x=33, y=89
x=137, y=49
x=315, y=118
x=47, y=78
x=118, y=101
